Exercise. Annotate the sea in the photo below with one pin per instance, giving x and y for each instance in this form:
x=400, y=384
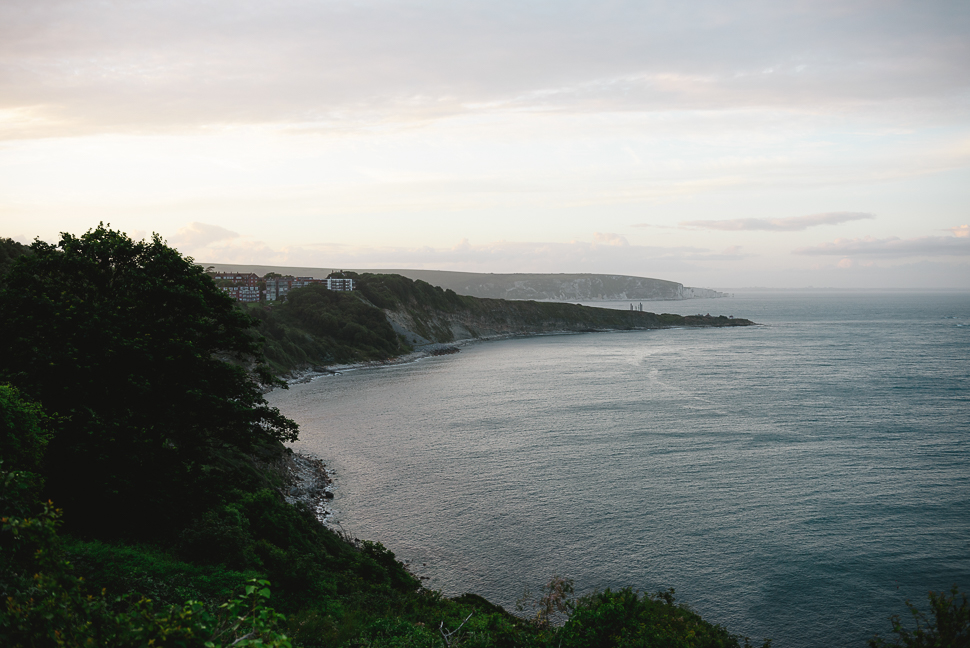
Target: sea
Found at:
x=797, y=480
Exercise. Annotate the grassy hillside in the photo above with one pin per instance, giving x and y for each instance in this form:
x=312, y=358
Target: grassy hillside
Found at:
x=315, y=326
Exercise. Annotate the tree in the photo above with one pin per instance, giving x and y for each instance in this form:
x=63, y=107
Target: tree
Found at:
x=150, y=369
x=10, y=251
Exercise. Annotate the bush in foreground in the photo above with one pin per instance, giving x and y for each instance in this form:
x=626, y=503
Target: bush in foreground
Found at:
x=46, y=604
x=627, y=619
x=149, y=368
x=948, y=627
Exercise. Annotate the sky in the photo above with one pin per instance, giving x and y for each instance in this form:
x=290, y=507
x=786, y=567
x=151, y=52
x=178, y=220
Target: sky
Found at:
x=722, y=144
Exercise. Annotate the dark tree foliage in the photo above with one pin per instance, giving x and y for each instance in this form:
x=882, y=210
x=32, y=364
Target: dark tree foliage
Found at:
x=627, y=619
x=10, y=251
x=144, y=361
x=22, y=433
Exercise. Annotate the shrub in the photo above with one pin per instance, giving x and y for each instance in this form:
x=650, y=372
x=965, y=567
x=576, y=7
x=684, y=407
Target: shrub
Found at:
x=45, y=604
x=219, y=537
x=949, y=627
x=624, y=618
x=553, y=607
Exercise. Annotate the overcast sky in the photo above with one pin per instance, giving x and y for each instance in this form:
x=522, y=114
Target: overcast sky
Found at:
x=720, y=144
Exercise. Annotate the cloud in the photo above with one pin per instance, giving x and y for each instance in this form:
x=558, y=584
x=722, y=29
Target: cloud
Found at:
x=608, y=238
x=197, y=239
x=894, y=247
x=961, y=231
x=199, y=235
x=654, y=226
x=787, y=224
x=67, y=66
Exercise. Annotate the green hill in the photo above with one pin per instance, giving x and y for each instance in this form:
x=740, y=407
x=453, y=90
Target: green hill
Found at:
x=389, y=315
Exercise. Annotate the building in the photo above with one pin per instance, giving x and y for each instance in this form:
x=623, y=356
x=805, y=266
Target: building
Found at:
x=241, y=286
x=278, y=286
x=236, y=278
x=340, y=284
x=243, y=293
x=244, y=286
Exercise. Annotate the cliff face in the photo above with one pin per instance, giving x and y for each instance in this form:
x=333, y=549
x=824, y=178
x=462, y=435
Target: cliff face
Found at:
x=560, y=287
x=484, y=318
x=494, y=317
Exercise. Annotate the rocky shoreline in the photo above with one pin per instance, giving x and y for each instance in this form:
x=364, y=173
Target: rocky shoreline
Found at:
x=309, y=482
x=307, y=374
x=299, y=376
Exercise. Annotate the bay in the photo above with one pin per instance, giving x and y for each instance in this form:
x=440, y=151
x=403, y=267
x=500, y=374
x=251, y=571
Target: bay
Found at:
x=796, y=480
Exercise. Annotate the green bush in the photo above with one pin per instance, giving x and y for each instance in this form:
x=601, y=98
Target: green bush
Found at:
x=948, y=627
x=219, y=536
x=150, y=572
x=624, y=619
x=45, y=604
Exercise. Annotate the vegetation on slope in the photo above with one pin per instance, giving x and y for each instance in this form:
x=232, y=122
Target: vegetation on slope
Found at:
x=10, y=251
x=316, y=326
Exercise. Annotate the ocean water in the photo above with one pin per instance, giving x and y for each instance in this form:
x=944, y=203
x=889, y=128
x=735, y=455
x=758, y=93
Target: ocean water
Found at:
x=796, y=480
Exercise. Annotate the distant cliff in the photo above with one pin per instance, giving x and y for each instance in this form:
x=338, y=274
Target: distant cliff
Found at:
x=558, y=287
x=543, y=287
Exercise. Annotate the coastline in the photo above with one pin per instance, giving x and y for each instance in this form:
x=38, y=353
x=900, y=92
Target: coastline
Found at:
x=310, y=483
x=301, y=376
